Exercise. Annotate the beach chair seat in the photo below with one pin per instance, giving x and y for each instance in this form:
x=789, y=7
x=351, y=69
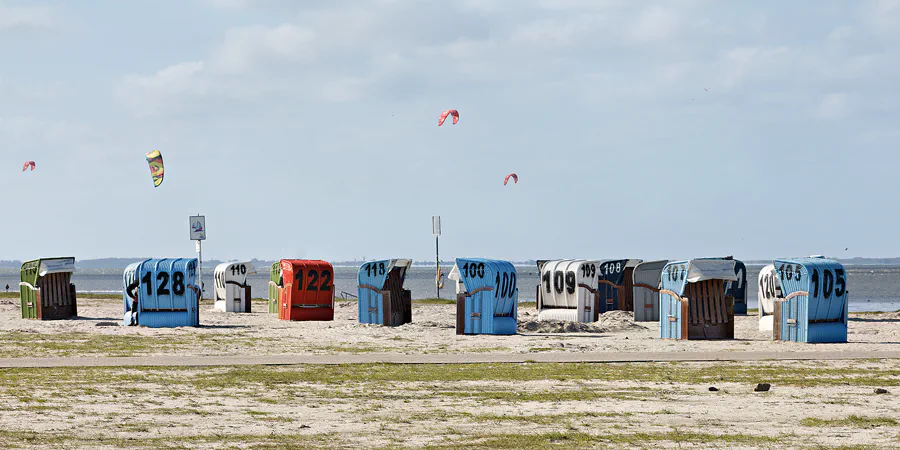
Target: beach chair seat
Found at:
x=489, y=302
x=568, y=290
x=46, y=291
x=645, y=290
x=161, y=293
x=815, y=307
x=381, y=297
x=693, y=304
x=232, y=291
x=308, y=292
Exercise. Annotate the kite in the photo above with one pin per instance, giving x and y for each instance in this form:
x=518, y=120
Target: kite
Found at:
x=28, y=163
x=514, y=177
x=155, y=160
x=449, y=112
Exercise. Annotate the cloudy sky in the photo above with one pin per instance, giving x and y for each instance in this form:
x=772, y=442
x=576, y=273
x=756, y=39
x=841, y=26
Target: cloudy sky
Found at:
x=309, y=129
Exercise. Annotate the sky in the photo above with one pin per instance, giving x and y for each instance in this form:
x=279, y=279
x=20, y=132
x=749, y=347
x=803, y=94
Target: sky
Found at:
x=651, y=129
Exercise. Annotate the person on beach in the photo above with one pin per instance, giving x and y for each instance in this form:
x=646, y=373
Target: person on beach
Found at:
x=7, y=287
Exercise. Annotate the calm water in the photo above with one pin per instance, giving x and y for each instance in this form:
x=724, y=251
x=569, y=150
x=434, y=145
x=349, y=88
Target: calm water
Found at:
x=872, y=288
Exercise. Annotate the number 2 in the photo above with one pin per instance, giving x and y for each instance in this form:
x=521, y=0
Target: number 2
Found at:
x=163, y=283
x=313, y=279
x=163, y=278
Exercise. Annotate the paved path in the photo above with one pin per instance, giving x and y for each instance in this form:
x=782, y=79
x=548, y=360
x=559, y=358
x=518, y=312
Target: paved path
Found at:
x=397, y=358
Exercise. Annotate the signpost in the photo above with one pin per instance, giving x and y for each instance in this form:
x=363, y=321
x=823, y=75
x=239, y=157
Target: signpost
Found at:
x=198, y=233
x=436, y=230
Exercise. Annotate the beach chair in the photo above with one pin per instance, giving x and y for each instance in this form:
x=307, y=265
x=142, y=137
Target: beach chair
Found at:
x=692, y=301
x=232, y=291
x=815, y=307
x=769, y=290
x=568, y=290
x=381, y=297
x=488, y=303
x=161, y=293
x=615, y=285
x=45, y=289
x=645, y=290
x=276, y=284
x=308, y=292
x=737, y=289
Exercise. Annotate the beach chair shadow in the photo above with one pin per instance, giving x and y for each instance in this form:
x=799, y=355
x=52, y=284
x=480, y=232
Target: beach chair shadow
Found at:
x=875, y=320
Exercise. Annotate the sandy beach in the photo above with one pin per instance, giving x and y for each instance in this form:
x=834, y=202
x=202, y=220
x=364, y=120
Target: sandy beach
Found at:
x=97, y=332
x=811, y=404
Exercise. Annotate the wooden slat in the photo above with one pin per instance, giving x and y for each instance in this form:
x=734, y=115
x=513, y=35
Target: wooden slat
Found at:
x=723, y=307
x=714, y=291
x=714, y=301
x=724, y=302
x=45, y=286
x=701, y=302
x=696, y=304
x=57, y=294
x=707, y=314
x=65, y=296
x=55, y=301
x=46, y=290
x=59, y=301
x=52, y=300
x=694, y=308
x=57, y=280
x=62, y=292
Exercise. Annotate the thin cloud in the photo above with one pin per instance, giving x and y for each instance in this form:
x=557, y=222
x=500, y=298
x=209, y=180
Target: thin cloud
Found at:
x=28, y=17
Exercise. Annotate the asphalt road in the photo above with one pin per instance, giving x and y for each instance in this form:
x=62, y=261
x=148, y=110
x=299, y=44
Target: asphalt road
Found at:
x=397, y=358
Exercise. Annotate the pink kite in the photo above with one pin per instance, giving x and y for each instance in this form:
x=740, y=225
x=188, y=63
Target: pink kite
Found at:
x=449, y=112
x=514, y=177
x=28, y=163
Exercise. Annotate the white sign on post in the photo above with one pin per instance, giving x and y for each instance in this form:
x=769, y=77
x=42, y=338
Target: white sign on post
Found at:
x=436, y=225
x=198, y=228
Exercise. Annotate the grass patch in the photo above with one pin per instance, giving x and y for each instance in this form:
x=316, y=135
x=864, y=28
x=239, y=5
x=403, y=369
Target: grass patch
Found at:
x=18, y=344
x=88, y=295
x=264, y=416
x=853, y=421
x=488, y=349
x=348, y=349
x=181, y=412
x=555, y=395
x=434, y=301
x=583, y=440
x=546, y=419
x=220, y=378
x=16, y=439
x=689, y=373
x=78, y=295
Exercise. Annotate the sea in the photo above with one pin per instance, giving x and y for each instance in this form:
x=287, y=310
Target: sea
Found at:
x=871, y=287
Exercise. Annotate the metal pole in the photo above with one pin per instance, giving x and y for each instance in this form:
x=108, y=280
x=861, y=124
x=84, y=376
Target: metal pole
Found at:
x=437, y=259
x=200, y=267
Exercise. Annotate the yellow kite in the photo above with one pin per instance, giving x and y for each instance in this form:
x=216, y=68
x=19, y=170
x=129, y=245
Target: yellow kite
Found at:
x=154, y=158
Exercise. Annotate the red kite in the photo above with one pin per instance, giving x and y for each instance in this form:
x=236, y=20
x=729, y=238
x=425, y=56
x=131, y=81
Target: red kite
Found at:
x=449, y=112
